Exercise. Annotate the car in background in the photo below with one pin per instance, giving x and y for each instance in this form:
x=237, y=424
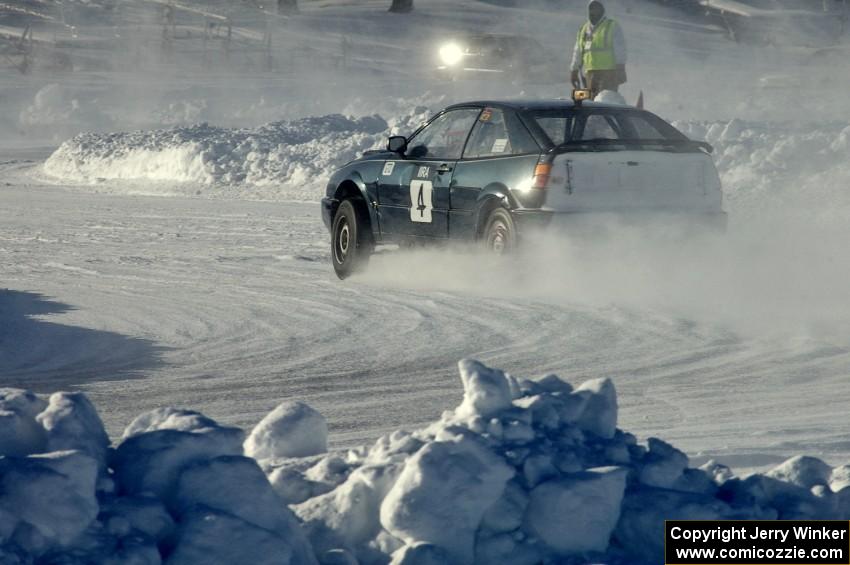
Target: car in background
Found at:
x=480, y=55
x=490, y=171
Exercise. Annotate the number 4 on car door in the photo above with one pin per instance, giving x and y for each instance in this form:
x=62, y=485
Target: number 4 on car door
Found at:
x=421, y=201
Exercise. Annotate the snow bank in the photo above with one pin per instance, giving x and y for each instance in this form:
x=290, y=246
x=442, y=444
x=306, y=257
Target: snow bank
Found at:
x=521, y=472
x=289, y=158
x=780, y=166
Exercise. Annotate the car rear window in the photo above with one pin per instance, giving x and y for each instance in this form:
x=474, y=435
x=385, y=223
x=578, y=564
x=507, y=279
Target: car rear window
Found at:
x=603, y=124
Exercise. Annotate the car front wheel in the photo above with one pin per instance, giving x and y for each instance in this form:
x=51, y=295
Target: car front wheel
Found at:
x=350, y=241
x=499, y=236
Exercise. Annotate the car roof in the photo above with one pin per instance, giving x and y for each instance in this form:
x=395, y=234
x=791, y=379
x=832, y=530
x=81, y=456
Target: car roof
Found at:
x=521, y=105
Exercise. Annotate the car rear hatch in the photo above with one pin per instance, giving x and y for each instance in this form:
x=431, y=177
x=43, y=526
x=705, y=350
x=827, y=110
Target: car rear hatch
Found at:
x=611, y=180
x=611, y=157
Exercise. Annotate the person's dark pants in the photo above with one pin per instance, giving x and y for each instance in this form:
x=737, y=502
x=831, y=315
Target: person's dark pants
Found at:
x=597, y=81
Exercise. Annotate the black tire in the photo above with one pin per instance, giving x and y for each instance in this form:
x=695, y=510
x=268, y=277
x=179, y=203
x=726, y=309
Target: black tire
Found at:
x=351, y=242
x=499, y=234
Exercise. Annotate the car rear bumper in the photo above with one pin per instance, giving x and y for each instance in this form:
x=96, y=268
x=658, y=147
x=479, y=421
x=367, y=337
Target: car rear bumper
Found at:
x=602, y=223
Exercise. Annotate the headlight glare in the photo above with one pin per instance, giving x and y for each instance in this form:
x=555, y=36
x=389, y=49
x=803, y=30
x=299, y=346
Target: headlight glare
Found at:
x=451, y=54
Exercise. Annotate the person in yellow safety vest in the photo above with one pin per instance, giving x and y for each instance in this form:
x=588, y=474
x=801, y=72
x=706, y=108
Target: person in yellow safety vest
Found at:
x=600, y=52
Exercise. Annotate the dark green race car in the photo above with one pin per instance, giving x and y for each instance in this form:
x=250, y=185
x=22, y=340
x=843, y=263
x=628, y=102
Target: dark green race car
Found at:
x=488, y=171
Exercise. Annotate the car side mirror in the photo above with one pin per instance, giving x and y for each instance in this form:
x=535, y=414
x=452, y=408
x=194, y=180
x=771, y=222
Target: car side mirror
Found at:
x=397, y=144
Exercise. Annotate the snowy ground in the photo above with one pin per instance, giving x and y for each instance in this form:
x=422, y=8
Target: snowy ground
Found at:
x=209, y=300
x=229, y=306
x=160, y=245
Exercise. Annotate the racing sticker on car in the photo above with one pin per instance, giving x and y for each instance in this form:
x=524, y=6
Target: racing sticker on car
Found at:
x=499, y=146
x=389, y=167
x=421, y=201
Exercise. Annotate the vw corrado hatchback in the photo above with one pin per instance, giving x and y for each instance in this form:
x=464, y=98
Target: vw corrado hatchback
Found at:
x=489, y=171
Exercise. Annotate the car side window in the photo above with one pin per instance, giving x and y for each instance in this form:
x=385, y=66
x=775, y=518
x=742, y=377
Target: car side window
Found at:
x=444, y=137
x=522, y=141
x=498, y=134
x=558, y=128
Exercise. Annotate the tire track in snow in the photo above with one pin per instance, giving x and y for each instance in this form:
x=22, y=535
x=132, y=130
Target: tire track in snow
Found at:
x=242, y=323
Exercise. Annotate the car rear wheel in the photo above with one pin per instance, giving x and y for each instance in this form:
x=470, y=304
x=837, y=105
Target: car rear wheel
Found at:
x=499, y=235
x=350, y=241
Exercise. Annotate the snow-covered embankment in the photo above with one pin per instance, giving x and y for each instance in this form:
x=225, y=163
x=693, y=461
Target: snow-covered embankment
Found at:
x=283, y=160
x=520, y=472
x=291, y=160
x=779, y=166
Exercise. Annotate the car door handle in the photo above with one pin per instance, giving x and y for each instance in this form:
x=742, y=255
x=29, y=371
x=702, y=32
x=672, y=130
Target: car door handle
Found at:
x=444, y=169
x=632, y=163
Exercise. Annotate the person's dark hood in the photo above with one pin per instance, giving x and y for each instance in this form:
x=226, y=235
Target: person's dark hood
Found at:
x=598, y=4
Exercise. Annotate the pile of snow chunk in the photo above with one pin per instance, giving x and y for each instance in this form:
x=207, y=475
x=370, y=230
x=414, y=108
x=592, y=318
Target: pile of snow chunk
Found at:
x=523, y=471
x=293, y=429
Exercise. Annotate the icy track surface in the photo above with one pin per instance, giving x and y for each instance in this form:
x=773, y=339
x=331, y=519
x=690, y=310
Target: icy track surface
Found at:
x=735, y=350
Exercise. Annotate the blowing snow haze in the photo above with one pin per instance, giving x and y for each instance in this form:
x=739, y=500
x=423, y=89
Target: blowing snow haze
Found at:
x=162, y=251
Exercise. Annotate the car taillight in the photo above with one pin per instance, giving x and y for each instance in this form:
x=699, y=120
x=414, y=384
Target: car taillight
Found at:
x=541, y=175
